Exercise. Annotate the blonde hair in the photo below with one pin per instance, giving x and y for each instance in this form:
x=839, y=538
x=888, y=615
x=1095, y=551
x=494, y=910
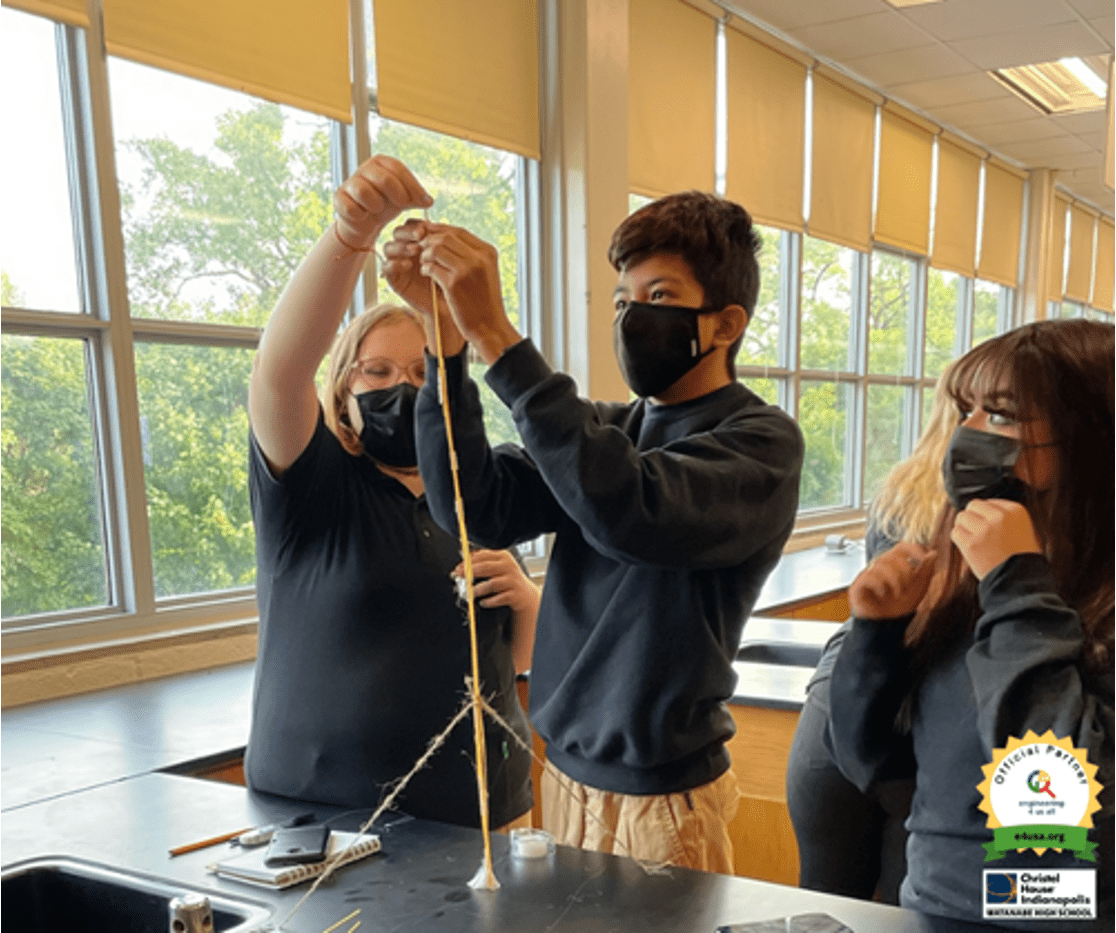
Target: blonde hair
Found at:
x=336, y=392
x=911, y=496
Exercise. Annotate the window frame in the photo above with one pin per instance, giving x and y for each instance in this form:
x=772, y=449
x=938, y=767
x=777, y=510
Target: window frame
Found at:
x=132, y=612
x=790, y=374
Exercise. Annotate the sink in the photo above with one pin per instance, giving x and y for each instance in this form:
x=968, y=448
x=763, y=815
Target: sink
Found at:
x=64, y=894
x=764, y=652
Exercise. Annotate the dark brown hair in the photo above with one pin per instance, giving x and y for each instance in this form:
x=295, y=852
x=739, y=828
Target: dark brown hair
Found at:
x=714, y=237
x=1060, y=372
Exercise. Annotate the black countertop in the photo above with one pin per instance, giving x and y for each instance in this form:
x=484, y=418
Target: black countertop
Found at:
x=420, y=880
x=59, y=746
x=86, y=777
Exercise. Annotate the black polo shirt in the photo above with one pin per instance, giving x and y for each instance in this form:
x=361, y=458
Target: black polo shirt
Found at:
x=364, y=648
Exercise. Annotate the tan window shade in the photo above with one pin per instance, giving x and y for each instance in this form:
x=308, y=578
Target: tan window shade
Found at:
x=903, y=199
x=286, y=51
x=841, y=169
x=474, y=76
x=1056, y=251
x=672, y=84
x=64, y=11
x=1079, y=275
x=955, y=210
x=1104, y=274
x=766, y=97
x=1000, y=231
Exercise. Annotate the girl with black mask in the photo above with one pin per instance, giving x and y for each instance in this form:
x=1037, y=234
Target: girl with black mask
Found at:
x=1004, y=626
x=363, y=646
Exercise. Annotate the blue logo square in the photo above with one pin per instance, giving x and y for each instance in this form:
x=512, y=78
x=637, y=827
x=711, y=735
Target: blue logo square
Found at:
x=1001, y=887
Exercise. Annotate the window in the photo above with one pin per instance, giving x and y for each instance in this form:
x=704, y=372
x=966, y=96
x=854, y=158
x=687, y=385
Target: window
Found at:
x=36, y=239
x=831, y=286
x=193, y=410
x=991, y=310
x=947, y=296
x=473, y=186
x=125, y=424
x=873, y=334
x=54, y=555
x=764, y=344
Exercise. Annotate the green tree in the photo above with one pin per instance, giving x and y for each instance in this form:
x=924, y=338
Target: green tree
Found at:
x=760, y=346
x=10, y=295
x=826, y=300
x=943, y=306
x=210, y=236
x=237, y=222
x=472, y=187
x=826, y=305
x=194, y=426
x=52, y=550
x=231, y=225
x=890, y=314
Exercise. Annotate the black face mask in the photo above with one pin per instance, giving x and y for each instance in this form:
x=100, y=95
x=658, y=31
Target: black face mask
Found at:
x=656, y=345
x=388, y=435
x=980, y=465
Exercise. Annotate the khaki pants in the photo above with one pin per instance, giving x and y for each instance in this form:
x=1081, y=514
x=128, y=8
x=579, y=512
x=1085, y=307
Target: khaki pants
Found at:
x=689, y=829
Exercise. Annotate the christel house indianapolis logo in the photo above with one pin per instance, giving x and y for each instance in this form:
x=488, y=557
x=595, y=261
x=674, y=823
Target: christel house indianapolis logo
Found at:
x=1039, y=793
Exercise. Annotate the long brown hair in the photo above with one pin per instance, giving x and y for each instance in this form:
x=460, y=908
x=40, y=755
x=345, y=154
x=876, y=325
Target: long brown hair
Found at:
x=336, y=392
x=1060, y=372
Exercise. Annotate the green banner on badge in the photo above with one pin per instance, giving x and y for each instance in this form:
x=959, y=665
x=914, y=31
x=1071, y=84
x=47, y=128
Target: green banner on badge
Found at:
x=1007, y=839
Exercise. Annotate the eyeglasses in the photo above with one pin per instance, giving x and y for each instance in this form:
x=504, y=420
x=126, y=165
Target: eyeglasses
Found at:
x=382, y=372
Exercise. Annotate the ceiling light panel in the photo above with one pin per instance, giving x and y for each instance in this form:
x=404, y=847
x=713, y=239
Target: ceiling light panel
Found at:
x=1054, y=87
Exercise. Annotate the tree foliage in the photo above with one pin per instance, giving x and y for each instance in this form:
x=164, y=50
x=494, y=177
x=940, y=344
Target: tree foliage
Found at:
x=53, y=554
x=212, y=237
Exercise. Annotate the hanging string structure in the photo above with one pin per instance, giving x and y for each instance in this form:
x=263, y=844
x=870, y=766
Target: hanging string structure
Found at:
x=489, y=876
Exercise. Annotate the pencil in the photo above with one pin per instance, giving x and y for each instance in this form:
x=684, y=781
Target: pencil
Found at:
x=206, y=843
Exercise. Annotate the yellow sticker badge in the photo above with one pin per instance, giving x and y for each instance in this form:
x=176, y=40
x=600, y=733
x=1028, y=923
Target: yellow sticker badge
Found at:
x=1039, y=793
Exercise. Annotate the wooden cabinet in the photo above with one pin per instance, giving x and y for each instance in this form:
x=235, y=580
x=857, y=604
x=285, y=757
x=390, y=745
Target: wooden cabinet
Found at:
x=225, y=767
x=833, y=607
x=762, y=837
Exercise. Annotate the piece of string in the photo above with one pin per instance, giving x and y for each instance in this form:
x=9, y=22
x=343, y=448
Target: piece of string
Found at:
x=649, y=867
x=351, y=249
x=343, y=920
x=435, y=744
x=490, y=881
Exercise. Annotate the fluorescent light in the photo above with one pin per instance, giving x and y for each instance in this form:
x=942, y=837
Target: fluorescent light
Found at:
x=1055, y=87
x=1093, y=81
x=902, y=3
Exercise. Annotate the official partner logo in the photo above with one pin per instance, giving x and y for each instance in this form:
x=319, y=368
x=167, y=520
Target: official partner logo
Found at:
x=1039, y=793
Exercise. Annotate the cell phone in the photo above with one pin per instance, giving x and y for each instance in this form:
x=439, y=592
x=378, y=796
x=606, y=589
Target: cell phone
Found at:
x=297, y=845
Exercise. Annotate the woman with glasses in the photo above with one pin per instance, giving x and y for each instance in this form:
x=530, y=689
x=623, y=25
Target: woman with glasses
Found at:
x=363, y=640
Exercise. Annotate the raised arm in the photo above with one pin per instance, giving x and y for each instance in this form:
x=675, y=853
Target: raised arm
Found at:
x=282, y=399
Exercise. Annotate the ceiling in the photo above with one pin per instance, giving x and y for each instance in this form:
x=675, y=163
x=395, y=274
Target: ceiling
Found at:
x=934, y=58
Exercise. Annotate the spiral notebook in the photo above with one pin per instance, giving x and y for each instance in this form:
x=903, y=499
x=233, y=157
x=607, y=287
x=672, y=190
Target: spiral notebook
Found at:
x=249, y=865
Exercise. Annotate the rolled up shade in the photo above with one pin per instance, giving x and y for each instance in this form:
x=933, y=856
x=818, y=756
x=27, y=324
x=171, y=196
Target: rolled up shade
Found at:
x=62, y=11
x=766, y=97
x=1002, y=226
x=956, y=208
x=903, y=192
x=841, y=164
x=1079, y=274
x=1056, y=251
x=1104, y=274
x=672, y=85
x=286, y=51
x=475, y=76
